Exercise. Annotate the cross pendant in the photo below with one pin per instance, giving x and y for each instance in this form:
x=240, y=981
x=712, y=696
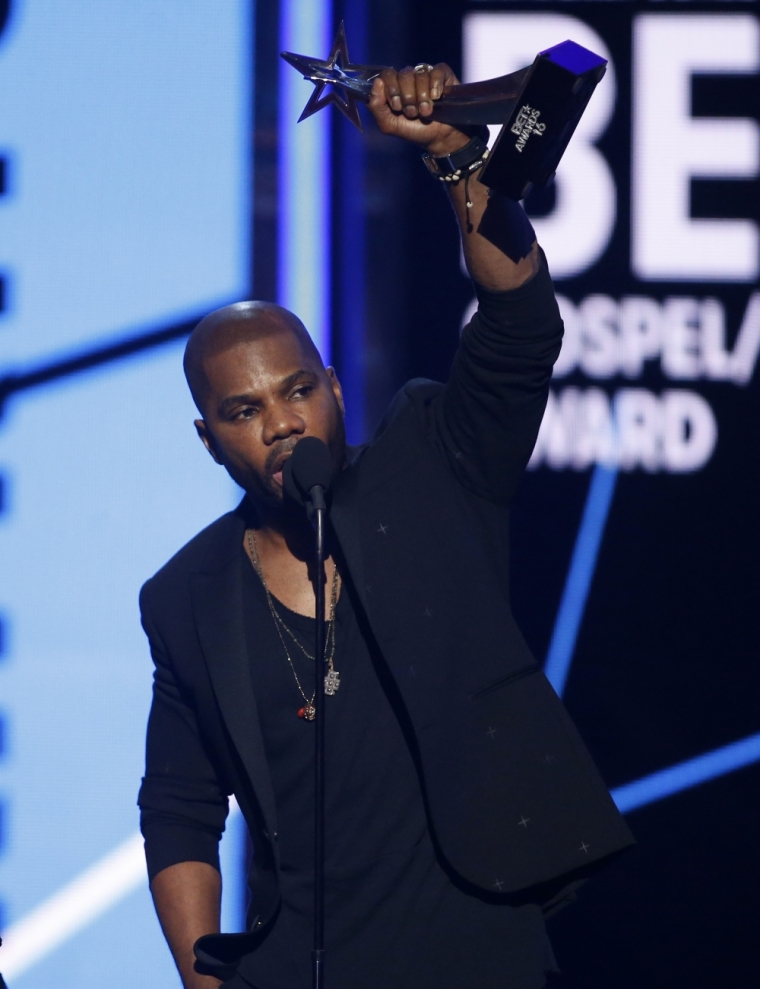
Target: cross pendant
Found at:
x=332, y=682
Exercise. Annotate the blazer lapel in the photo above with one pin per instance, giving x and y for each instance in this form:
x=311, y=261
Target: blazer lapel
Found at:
x=218, y=607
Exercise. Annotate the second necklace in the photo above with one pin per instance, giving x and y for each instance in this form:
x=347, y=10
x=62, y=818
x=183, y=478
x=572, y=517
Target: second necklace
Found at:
x=332, y=678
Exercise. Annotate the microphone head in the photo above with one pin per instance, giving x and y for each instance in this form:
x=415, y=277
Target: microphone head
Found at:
x=308, y=466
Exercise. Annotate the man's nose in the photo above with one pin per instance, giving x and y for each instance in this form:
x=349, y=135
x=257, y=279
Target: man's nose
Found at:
x=282, y=421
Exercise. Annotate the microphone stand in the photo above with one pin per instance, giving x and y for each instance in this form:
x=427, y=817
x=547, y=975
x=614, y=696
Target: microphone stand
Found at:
x=318, y=953
x=307, y=474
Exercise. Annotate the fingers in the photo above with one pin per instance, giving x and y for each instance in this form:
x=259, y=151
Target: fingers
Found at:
x=432, y=81
x=423, y=89
x=403, y=103
x=438, y=80
x=379, y=105
x=442, y=78
x=412, y=91
x=378, y=95
x=414, y=86
x=389, y=79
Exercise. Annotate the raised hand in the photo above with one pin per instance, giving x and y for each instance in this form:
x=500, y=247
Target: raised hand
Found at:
x=402, y=104
x=501, y=252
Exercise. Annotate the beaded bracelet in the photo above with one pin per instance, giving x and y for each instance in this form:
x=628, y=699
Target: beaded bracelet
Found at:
x=461, y=164
x=453, y=167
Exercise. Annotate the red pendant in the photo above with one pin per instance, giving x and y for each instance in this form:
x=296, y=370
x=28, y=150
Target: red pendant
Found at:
x=309, y=712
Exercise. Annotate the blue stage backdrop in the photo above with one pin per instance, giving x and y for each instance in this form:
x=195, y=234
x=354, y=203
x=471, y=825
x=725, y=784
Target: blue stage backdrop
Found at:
x=124, y=184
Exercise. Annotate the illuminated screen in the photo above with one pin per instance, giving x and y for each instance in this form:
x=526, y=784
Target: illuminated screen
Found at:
x=636, y=534
x=124, y=184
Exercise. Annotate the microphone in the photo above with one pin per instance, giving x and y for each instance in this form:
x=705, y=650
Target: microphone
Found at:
x=308, y=474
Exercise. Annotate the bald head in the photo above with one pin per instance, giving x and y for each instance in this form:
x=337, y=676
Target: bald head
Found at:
x=241, y=323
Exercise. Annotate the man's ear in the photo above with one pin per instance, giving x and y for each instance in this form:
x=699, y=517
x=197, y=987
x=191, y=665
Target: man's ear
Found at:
x=337, y=390
x=206, y=438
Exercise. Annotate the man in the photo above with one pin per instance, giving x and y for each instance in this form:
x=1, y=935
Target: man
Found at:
x=461, y=804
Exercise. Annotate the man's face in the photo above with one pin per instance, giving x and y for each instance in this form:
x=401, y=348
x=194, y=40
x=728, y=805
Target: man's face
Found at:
x=264, y=396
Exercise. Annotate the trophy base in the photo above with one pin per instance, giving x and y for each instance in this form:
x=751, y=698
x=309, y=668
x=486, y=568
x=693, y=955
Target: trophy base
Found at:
x=557, y=89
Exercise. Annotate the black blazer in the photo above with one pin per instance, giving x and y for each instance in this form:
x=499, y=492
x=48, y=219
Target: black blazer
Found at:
x=421, y=517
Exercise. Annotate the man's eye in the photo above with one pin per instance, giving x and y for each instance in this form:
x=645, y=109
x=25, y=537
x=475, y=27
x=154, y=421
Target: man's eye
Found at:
x=247, y=413
x=302, y=391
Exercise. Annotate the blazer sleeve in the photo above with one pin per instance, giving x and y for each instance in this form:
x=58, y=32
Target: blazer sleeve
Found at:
x=491, y=409
x=183, y=805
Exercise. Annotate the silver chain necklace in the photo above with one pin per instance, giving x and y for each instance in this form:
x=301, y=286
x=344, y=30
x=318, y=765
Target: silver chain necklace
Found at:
x=332, y=678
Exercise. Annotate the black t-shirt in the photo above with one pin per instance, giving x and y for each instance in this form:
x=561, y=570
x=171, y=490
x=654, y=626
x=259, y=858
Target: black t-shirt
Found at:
x=395, y=914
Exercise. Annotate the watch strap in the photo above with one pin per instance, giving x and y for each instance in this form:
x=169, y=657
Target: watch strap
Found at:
x=450, y=168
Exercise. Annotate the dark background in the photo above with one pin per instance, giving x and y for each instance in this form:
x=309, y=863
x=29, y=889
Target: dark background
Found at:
x=666, y=665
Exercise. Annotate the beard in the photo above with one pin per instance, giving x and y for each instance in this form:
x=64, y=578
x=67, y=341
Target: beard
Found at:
x=266, y=494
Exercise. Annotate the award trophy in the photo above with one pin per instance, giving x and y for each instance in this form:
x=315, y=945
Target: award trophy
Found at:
x=538, y=107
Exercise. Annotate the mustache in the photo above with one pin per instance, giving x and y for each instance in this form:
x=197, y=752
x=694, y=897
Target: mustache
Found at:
x=286, y=446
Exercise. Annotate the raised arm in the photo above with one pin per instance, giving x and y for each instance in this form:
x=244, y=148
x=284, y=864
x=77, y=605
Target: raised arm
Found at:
x=488, y=416
x=498, y=242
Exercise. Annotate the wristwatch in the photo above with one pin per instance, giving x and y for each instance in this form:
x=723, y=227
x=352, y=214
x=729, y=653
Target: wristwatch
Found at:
x=451, y=168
